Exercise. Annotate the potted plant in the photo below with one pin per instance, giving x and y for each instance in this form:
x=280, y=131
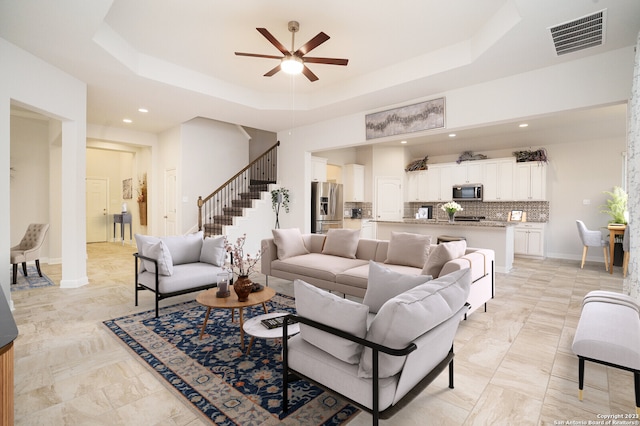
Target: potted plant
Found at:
x=279, y=198
x=242, y=265
x=616, y=206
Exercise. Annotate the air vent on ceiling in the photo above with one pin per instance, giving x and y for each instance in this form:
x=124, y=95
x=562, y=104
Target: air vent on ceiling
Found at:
x=580, y=33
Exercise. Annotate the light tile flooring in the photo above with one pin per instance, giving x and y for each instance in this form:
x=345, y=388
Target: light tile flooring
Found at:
x=513, y=365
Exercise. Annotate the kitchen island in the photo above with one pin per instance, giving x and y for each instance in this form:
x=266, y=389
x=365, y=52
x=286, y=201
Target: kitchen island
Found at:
x=497, y=236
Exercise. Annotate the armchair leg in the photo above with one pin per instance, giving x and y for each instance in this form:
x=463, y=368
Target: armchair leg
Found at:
x=15, y=272
x=38, y=267
x=24, y=268
x=606, y=258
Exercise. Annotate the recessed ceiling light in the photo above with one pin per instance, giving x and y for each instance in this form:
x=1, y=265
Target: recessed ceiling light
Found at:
x=523, y=125
x=143, y=110
x=127, y=120
x=452, y=135
x=403, y=142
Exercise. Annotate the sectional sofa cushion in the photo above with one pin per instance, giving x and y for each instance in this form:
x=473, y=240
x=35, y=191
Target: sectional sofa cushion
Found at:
x=441, y=254
x=342, y=242
x=185, y=248
x=408, y=249
x=289, y=243
x=411, y=314
x=334, y=311
x=157, y=250
x=385, y=284
x=213, y=251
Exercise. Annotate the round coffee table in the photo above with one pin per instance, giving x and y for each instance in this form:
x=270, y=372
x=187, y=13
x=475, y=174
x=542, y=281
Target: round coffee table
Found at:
x=208, y=298
x=254, y=328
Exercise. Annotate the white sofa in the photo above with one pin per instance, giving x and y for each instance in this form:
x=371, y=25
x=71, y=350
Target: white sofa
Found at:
x=376, y=352
x=346, y=274
x=174, y=265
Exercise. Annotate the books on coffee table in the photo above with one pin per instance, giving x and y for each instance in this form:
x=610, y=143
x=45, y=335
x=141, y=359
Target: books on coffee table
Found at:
x=276, y=322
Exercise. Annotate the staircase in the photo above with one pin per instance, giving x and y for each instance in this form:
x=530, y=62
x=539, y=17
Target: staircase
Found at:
x=223, y=206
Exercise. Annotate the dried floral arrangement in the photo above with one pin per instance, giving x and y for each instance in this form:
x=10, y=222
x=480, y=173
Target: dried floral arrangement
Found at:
x=469, y=156
x=417, y=165
x=537, y=155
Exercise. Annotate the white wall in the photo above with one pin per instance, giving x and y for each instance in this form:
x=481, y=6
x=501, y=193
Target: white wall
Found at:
x=29, y=82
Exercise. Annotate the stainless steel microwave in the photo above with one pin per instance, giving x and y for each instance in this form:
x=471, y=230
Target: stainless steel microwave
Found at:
x=468, y=192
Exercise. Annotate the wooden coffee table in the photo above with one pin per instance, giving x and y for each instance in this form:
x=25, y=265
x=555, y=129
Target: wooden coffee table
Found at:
x=208, y=298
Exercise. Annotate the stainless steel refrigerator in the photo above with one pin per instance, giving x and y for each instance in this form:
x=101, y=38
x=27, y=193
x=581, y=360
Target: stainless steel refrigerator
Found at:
x=326, y=206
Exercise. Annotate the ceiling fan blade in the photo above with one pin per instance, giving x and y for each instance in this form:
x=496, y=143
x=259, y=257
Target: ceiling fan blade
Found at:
x=307, y=73
x=312, y=44
x=273, y=40
x=273, y=71
x=329, y=61
x=257, y=55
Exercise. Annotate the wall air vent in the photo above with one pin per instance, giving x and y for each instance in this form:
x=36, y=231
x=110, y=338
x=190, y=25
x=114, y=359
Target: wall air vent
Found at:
x=580, y=33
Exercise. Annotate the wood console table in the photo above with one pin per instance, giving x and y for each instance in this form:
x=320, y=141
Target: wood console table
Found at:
x=8, y=333
x=614, y=229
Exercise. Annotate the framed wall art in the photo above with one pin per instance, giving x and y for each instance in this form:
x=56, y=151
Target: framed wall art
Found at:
x=127, y=189
x=408, y=119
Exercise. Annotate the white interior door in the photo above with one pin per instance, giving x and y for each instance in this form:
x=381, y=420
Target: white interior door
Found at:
x=170, y=202
x=388, y=198
x=97, y=214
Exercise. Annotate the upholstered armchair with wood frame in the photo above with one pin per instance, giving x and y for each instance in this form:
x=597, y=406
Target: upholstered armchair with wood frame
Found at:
x=29, y=248
x=592, y=239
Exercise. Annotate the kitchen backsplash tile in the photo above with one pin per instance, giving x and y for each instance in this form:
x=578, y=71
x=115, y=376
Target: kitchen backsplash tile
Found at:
x=537, y=211
x=367, y=208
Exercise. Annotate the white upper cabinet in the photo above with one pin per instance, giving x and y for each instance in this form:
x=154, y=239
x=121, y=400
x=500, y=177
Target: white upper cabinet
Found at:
x=498, y=180
x=354, y=182
x=318, y=169
x=530, y=181
x=467, y=172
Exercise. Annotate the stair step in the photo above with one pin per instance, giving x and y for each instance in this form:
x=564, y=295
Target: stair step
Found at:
x=250, y=195
x=212, y=229
x=248, y=203
x=223, y=220
x=233, y=211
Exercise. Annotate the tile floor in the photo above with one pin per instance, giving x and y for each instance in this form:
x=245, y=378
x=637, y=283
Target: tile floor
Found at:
x=513, y=364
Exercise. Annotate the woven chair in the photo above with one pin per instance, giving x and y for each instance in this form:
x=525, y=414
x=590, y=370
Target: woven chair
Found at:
x=29, y=248
x=592, y=239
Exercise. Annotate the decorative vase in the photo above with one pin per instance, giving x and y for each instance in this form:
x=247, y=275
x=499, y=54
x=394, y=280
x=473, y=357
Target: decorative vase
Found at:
x=142, y=206
x=243, y=287
x=451, y=215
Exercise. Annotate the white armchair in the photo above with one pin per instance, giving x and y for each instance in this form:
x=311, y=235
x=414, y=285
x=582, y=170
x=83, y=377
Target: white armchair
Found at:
x=592, y=239
x=29, y=248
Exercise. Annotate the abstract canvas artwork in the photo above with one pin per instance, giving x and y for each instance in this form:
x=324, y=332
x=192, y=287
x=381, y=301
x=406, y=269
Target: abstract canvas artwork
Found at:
x=127, y=189
x=408, y=119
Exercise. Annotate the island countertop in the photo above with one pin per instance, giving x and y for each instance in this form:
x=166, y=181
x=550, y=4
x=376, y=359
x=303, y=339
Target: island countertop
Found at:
x=482, y=223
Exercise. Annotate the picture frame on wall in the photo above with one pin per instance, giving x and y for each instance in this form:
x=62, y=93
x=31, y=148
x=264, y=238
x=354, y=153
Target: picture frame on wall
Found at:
x=517, y=216
x=127, y=189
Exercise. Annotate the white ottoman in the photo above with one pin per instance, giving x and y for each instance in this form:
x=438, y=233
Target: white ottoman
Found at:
x=609, y=333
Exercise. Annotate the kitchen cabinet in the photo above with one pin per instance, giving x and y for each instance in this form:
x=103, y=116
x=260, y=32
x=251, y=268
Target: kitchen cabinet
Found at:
x=318, y=169
x=528, y=239
x=530, y=181
x=466, y=172
x=438, y=183
x=353, y=182
x=417, y=186
x=498, y=180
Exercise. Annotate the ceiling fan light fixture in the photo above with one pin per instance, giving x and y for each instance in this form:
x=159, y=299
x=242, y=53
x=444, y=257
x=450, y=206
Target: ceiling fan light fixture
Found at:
x=292, y=65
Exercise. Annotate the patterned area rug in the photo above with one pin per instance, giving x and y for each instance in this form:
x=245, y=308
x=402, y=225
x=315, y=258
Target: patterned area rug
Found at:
x=31, y=281
x=216, y=377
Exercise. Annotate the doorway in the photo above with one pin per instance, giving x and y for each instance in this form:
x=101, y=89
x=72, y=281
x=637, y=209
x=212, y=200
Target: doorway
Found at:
x=170, y=202
x=388, y=198
x=97, y=216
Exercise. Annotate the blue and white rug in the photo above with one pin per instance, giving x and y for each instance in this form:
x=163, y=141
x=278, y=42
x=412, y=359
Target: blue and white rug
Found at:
x=31, y=281
x=216, y=377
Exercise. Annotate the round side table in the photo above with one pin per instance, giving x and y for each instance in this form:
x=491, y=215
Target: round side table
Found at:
x=254, y=328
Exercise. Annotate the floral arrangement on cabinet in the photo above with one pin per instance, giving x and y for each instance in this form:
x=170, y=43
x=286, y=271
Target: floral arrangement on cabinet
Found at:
x=241, y=264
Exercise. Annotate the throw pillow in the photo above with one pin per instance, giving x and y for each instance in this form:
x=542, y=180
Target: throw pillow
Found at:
x=408, y=249
x=185, y=248
x=441, y=254
x=411, y=314
x=342, y=242
x=140, y=241
x=334, y=311
x=160, y=253
x=289, y=243
x=213, y=251
x=384, y=284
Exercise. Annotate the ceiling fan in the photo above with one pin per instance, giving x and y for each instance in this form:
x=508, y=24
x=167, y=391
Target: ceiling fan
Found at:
x=294, y=61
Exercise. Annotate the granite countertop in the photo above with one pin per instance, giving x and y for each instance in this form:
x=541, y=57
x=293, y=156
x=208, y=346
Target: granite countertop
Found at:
x=482, y=223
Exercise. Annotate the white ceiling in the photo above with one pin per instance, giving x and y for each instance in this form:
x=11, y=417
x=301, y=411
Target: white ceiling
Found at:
x=176, y=58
